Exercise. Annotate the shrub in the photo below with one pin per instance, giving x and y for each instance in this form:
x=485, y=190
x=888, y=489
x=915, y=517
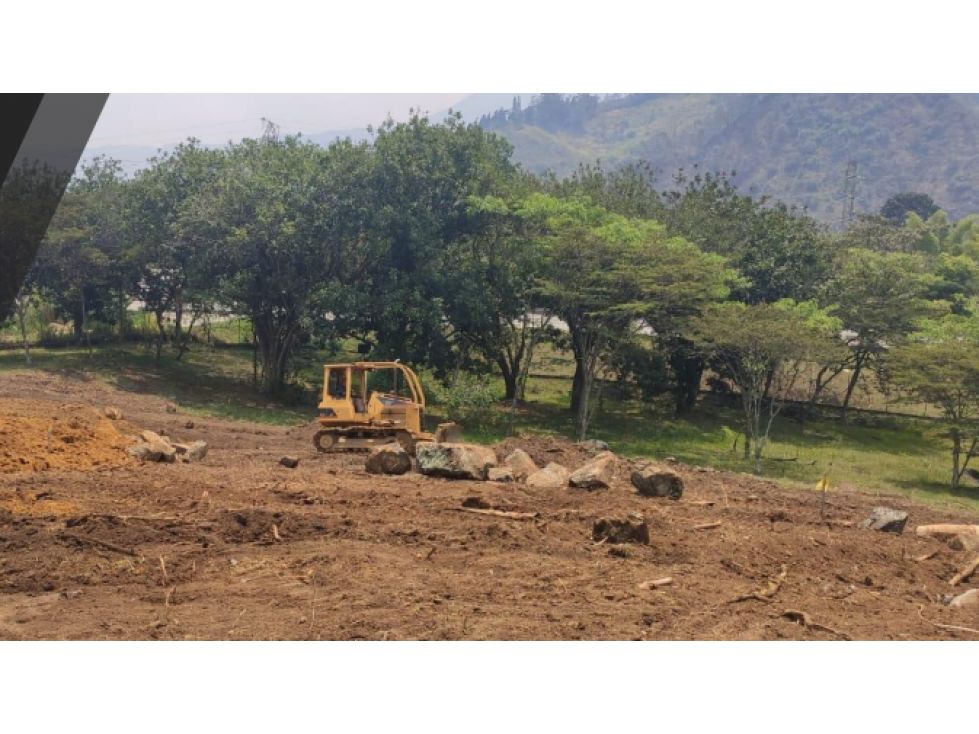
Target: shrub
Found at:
x=470, y=402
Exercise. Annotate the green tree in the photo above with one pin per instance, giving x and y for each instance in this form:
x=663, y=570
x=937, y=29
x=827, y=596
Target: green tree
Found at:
x=896, y=209
x=878, y=235
x=81, y=253
x=488, y=276
x=629, y=190
x=939, y=367
x=781, y=252
x=422, y=178
x=763, y=349
x=28, y=199
x=176, y=271
x=283, y=219
x=879, y=298
x=607, y=277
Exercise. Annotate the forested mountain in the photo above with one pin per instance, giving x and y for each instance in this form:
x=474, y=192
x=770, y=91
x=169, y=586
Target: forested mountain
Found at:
x=792, y=146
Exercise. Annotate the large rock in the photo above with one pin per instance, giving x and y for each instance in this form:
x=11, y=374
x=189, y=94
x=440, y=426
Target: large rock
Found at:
x=521, y=464
x=964, y=542
x=151, y=437
x=157, y=448
x=657, y=481
x=551, y=476
x=620, y=531
x=500, y=474
x=968, y=599
x=196, y=451
x=886, y=520
x=388, y=460
x=192, y=451
x=596, y=474
x=114, y=414
x=145, y=452
x=594, y=444
x=289, y=462
x=455, y=460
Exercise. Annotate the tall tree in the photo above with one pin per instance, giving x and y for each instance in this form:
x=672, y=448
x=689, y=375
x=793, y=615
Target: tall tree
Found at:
x=176, y=268
x=939, y=367
x=82, y=251
x=488, y=277
x=762, y=349
x=897, y=208
x=422, y=178
x=284, y=220
x=607, y=277
x=879, y=298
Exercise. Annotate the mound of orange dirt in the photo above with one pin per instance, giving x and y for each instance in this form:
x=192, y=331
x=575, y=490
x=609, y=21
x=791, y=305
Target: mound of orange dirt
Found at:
x=37, y=437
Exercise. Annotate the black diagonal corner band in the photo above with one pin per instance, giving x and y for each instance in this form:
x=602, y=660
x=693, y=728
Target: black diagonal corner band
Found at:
x=18, y=111
x=42, y=137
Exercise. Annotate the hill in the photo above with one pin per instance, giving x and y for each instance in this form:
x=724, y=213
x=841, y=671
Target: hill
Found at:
x=792, y=146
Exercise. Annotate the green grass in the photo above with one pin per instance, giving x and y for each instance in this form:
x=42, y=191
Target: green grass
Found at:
x=215, y=383
x=882, y=454
x=879, y=454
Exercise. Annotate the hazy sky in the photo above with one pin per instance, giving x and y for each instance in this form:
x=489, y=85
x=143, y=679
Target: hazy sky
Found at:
x=159, y=119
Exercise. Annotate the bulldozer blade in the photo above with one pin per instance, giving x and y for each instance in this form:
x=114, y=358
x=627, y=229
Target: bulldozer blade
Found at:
x=448, y=433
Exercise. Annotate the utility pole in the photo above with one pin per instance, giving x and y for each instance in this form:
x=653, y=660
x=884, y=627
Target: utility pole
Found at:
x=850, y=180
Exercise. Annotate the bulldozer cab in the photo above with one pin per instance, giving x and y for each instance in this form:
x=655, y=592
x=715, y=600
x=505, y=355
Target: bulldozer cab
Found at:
x=384, y=394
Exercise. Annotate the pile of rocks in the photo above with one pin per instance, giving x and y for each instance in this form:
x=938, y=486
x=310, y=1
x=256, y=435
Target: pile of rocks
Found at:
x=153, y=447
x=480, y=463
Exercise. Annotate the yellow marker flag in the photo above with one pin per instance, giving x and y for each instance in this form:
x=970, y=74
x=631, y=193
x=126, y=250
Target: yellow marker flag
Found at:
x=823, y=484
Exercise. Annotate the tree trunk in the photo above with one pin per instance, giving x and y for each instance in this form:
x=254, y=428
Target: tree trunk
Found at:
x=584, y=402
x=577, y=386
x=688, y=372
x=160, y=334
x=817, y=391
x=122, y=310
x=509, y=378
x=956, y=458
x=276, y=338
x=178, y=324
x=88, y=340
x=22, y=305
x=857, y=368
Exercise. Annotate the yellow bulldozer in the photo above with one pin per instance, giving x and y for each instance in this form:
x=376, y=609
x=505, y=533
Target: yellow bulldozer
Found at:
x=367, y=404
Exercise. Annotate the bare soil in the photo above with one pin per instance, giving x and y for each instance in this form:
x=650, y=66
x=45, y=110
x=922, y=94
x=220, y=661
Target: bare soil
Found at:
x=94, y=546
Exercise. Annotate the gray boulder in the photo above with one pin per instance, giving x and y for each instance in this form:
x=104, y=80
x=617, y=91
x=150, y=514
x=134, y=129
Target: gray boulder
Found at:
x=596, y=474
x=520, y=464
x=657, y=481
x=969, y=598
x=145, y=452
x=594, y=444
x=500, y=474
x=388, y=460
x=886, y=520
x=455, y=460
x=290, y=462
x=612, y=530
x=551, y=476
x=196, y=451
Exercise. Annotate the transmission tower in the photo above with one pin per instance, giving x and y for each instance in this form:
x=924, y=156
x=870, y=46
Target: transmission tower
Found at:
x=270, y=131
x=850, y=180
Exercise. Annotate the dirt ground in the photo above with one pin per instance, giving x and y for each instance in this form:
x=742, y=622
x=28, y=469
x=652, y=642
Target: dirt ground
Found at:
x=238, y=547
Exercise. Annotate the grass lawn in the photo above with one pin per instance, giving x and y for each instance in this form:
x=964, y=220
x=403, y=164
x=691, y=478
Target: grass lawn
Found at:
x=886, y=454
